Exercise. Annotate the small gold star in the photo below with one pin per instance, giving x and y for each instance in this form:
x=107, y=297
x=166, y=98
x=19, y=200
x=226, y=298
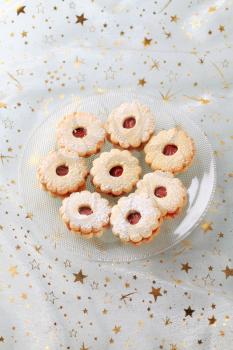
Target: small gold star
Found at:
x=168, y=34
x=85, y=311
x=79, y=277
x=104, y=311
x=189, y=312
x=18, y=247
x=20, y=9
x=221, y=333
x=221, y=28
x=116, y=329
x=210, y=268
x=212, y=320
x=173, y=347
x=83, y=347
x=141, y=82
x=147, y=42
x=155, y=65
x=24, y=296
x=211, y=9
x=111, y=341
x=3, y=105
x=1, y=339
x=199, y=341
x=29, y=216
x=186, y=267
x=174, y=18
x=228, y=271
x=24, y=34
x=220, y=235
x=167, y=96
x=167, y=321
x=81, y=19
x=38, y=248
x=213, y=306
x=1, y=227
x=207, y=226
x=13, y=270
x=155, y=292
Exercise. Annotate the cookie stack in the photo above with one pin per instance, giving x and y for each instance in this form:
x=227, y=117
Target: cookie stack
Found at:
x=159, y=195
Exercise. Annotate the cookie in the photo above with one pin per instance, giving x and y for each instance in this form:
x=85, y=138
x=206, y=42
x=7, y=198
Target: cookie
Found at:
x=170, y=150
x=80, y=132
x=115, y=172
x=61, y=173
x=130, y=125
x=85, y=213
x=135, y=219
x=168, y=192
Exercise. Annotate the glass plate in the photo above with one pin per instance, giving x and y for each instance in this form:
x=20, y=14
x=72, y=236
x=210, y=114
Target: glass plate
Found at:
x=199, y=180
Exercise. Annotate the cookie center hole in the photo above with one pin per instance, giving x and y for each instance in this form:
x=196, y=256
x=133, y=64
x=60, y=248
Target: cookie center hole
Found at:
x=62, y=170
x=116, y=171
x=85, y=210
x=79, y=132
x=160, y=192
x=129, y=122
x=169, y=150
x=134, y=217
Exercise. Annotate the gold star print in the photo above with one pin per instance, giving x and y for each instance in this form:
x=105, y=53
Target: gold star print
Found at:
x=155, y=65
x=228, y=271
x=81, y=19
x=174, y=18
x=141, y=82
x=167, y=96
x=189, y=312
x=13, y=270
x=147, y=42
x=211, y=9
x=104, y=311
x=155, y=292
x=29, y=216
x=116, y=329
x=20, y=9
x=79, y=277
x=207, y=226
x=38, y=248
x=24, y=296
x=1, y=227
x=221, y=333
x=83, y=347
x=24, y=34
x=111, y=341
x=173, y=347
x=220, y=235
x=199, y=341
x=1, y=339
x=212, y=320
x=221, y=28
x=186, y=267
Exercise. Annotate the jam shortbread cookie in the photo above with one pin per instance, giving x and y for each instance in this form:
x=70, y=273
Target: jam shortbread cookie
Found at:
x=80, y=132
x=136, y=218
x=170, y=150
x=61, y=173
x=167, y=191
x=115, y=172
x=85, y=213
x=130, y=124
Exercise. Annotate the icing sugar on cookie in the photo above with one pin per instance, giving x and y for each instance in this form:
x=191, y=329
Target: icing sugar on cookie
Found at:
x=80, y=132
x=136, y=218
x=130, y=124
x=170, y=150
x=115, y=172
x=167, y=191
x=61, y=173
x=85, y=213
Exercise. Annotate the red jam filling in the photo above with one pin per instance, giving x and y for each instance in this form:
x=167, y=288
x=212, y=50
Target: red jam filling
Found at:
x=129, y=123
x=62, y=170
x=134, y=217
x=85, y=210
x=173, y=214
x=116, y=171
x=160, y=192
x=169, y=150
x=79, y=132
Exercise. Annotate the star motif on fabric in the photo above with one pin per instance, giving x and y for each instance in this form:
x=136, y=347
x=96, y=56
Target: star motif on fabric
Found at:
x=189, y=312
x=116, y=329
x=174, y=18
x=83, y=347
x=173, y=347
x=80, y=19
x=50, y=297
x=212, y=9
x=147, y=42
x=207, y=226
x=104, y=311
x=199, y=341
x=167, y=321
x=212, y=320
x=13, y=270
x=213, y=306
x=20, y=9
x=228, y=271
x=155, y=292
x=29, y=216
x=24, y=296
x=3, y=105
x=186, y=267
x=155, y=65
x=221, y=28
x=79, y=277
x=35, y=265
x=67, y=263
x=220, y=235
x=141, y=82
x=1, y=339
x=38, y=248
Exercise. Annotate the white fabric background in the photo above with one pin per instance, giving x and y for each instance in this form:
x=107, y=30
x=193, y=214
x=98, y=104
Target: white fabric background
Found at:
x=181, y=51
